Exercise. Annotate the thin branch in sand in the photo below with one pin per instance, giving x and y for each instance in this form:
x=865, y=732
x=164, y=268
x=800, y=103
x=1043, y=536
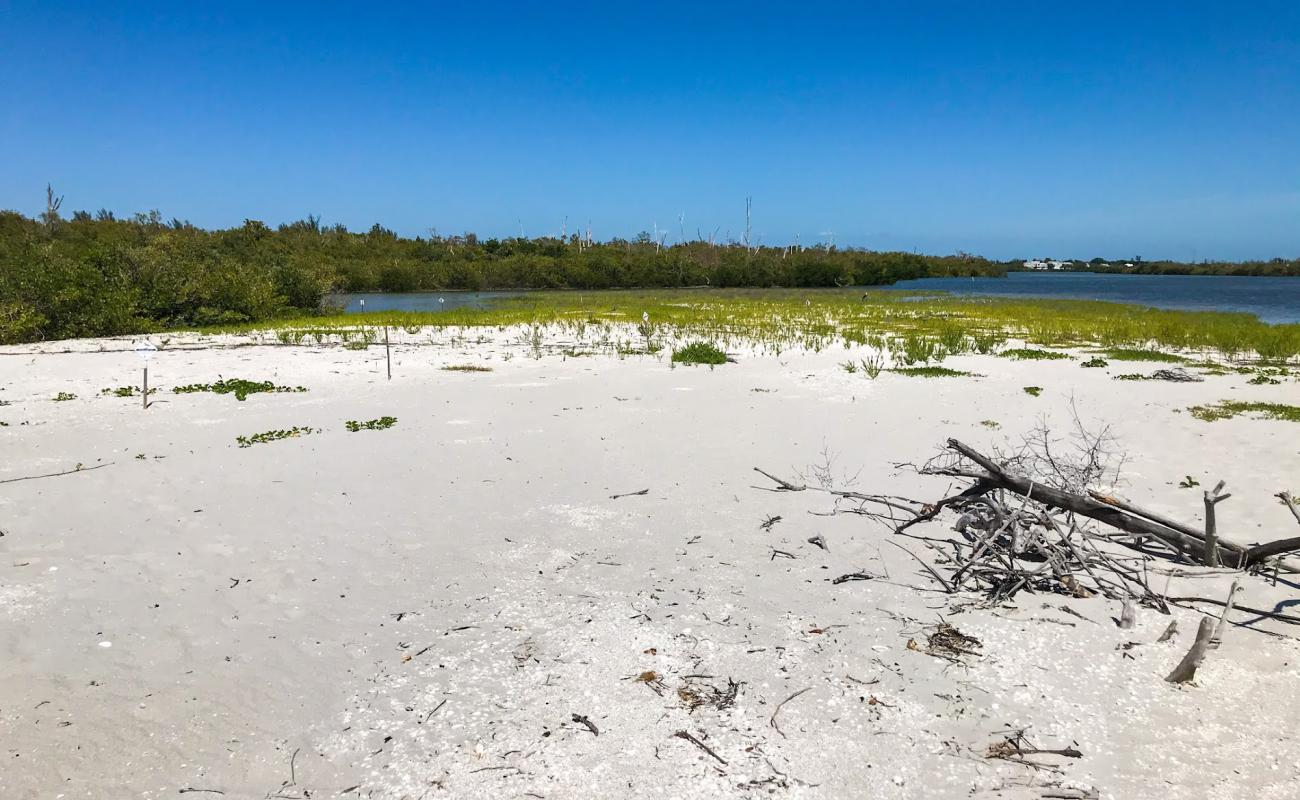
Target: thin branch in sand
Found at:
x=779, y=705
x=947, y=586
x=688, y=737
x=782, y=486
x=586, y=721
x=853, y=576
x=74, y=471
x=629, y=494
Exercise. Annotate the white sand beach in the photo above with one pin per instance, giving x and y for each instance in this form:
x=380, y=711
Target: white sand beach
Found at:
x=422, y=612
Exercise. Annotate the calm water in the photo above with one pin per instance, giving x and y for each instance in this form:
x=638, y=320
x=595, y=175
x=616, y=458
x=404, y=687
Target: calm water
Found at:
x=417, y=301
x=1270, y=299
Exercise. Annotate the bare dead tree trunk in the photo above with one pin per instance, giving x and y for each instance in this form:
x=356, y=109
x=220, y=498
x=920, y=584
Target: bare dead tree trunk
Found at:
x=1212, y=499
x=1186, y=669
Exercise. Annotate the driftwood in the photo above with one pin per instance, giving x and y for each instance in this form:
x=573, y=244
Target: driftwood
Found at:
x=1212, y=499
x=1117, y=514
x=1186, y=669
x=1026, y=533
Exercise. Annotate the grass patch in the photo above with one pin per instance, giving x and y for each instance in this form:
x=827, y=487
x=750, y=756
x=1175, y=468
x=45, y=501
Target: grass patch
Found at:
x=1132, y=376
x=64, y=396
x=239, y=387
x=1033, y=391
x=465, y=368
x=991, y=424
x=1095, y=361
x=273, y=436
x=383, y=423
x=931, y=372
x=124, y=391
x=814, y=319
x=1138, y=354
x=1227, y=409
x=699, y=353
x=1033, y=354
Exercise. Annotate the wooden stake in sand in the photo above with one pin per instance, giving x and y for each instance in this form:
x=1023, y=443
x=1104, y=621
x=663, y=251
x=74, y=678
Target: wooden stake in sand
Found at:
x=145, y=349
x=388, y=354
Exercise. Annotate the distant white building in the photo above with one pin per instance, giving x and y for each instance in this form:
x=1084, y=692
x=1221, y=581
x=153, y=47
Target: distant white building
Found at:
x=1042, y=266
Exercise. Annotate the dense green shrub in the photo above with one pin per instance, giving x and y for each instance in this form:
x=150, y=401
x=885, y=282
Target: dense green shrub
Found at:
x=699, y=353
x=96, y=276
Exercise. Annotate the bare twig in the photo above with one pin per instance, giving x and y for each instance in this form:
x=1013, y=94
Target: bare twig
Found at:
x=586, y=721
x=779, y=705
x=688, y=737
x=73, y=471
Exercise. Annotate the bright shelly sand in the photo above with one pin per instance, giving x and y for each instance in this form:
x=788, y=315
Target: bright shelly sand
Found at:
x=422, y=611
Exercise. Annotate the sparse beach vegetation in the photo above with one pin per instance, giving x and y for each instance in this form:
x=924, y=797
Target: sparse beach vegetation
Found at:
x=932, y=372
x=1033, y=354
x=273, y=436
x=383, y=423
x=468, y=367
x=239, y=387
x=1142, y=354
x=1227, y=409
x=814, y=319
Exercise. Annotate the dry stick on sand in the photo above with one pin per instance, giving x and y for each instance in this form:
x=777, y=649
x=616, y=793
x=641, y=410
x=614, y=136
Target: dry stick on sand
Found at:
x=1219, y=629
x=57, y=474
x=783, y=486
x=688, y=737
x=1113, y=512
x=947, y=586
x=1290, y=619
x=1287, y=500
x=629, y=494
x=772, y=721
x=1186, y=669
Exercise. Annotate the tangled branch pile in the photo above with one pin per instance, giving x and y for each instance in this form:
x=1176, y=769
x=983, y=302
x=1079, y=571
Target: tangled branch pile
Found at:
x=1023, y=524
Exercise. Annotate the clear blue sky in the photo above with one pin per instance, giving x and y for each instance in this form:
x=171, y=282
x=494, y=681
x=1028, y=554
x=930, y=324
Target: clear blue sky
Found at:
x=1154, y=129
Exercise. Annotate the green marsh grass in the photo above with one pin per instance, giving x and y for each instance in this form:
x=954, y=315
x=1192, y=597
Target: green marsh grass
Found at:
x=699, y=353
x=465, y=368
x=932, y=372
x=1033, y=354
x=1227, y=409
x=1143, y=354
x=782, y=319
